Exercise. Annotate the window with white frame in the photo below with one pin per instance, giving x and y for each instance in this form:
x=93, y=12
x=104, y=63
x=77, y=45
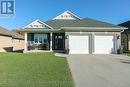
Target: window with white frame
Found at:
x=40, y=38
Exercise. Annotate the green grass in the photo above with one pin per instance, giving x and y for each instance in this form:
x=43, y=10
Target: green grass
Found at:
x=128, y=54
x=34, y=70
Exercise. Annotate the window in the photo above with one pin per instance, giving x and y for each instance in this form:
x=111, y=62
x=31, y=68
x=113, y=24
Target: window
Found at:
x=60, y=37
x=40, y=38
x=36, y=38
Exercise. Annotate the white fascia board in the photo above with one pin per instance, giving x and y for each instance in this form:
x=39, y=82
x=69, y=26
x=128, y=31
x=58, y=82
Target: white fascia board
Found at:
x=121, y=28
x=38, y=21
x=68, y=13
x=73, y=14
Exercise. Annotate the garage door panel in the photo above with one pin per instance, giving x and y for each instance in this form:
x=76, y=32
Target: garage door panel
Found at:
x=78, y=44
x=104, y=44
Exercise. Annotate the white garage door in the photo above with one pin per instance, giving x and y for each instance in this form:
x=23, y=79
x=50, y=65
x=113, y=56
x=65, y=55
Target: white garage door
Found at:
x=104, y=44
x=78, y=44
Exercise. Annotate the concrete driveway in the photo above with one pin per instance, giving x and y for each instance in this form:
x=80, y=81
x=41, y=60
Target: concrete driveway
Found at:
x=100, y=70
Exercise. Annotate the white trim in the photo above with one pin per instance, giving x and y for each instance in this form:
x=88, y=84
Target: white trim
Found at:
x=43, y=36
x=25, y=44
x=122, y=28
x=51, y=41
x=68, y=13
x=37, y=20
x=73, y=14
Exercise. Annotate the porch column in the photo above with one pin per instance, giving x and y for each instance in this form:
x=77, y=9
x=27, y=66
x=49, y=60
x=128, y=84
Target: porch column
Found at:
x=25, y=44
x=51, y=41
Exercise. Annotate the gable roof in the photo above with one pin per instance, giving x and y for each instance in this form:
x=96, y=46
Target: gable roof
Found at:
x=12, y=34
x=16, y=35
x=5, y=32
x=77, y=23
x=67, y=15
x=44, y=25
x=86, y=22
x=126, y=24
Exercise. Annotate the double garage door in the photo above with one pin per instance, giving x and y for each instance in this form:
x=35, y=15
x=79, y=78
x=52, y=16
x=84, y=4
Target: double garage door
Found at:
x=81, y=44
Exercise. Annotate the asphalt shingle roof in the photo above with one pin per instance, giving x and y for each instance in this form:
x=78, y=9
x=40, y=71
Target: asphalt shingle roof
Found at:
x=16, y=35
x=126, y=24
x=3, y=31
x=86, y=22
x=56, y=24
x=6, y=32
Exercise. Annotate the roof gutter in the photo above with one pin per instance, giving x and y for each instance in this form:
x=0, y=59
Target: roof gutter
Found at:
x=121, y=28
x=93, y=28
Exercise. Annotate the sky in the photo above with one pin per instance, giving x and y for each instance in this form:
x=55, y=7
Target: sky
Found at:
x=26, y=11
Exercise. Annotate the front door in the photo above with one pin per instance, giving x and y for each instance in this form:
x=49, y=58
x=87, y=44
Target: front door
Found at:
x=58, y=41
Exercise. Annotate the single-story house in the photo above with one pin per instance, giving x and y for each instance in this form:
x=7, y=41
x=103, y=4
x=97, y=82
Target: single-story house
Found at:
x=10, y=41
x=17, y=41
x=125, y=36
x=68, y=32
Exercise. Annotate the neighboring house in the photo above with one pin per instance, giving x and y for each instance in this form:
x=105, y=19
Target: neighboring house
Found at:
x=17, y=41
x=125, y=36
x=69, y=32
x=5, y=40
x=10, y=41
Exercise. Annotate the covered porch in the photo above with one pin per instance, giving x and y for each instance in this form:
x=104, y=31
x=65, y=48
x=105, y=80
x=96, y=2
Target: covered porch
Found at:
x=49, y=41
x=41, y=37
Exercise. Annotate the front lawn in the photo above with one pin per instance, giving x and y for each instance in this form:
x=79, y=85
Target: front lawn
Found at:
x=34, y=70
x=128, y=54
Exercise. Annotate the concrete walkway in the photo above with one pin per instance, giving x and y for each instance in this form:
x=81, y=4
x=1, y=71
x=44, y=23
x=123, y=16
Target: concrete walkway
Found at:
x=100, y=70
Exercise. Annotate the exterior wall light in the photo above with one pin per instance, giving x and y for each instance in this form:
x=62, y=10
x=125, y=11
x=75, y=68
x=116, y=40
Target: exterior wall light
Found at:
x=118, y=37
x=67, y=36
x=80, y=32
